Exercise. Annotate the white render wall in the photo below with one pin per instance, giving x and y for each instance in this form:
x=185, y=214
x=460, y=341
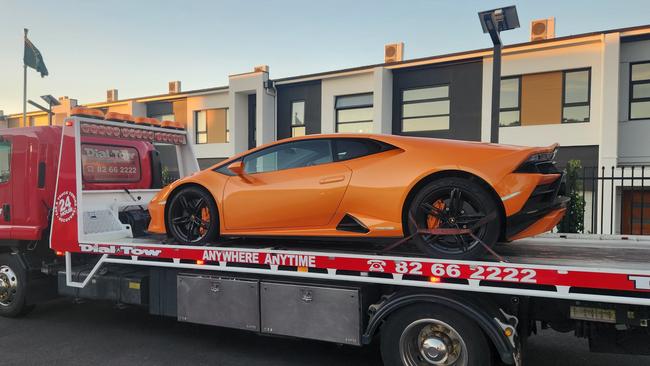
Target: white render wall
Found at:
x=633, y=136
x=344, y=85
x=240, y=87
x=383, y=101
x=197, y=103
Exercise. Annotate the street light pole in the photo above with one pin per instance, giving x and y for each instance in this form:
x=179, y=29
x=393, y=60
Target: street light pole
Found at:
x=493, y=22
x=496, y=93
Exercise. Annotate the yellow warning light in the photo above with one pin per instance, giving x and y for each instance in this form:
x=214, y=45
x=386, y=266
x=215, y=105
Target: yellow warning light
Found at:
x=508, y=332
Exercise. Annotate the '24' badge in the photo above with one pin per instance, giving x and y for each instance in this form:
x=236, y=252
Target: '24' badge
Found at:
x=66, y=206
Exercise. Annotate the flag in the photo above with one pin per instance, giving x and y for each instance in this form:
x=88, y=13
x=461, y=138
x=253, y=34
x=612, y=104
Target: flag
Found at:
x=33, y=58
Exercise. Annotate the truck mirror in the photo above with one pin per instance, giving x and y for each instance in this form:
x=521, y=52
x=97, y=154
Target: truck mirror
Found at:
x=237, y=167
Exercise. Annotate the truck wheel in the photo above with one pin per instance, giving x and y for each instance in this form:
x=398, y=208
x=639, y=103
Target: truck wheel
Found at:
x=12, y=287
x=427, y=334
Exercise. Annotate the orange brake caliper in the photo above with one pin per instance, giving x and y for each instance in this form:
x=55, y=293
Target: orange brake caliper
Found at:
x=432, y=221
x=205, y=216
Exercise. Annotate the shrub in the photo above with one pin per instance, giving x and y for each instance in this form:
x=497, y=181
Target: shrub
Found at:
x=574, y=220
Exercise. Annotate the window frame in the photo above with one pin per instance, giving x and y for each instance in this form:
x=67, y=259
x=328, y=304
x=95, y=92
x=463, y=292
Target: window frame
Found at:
x=261, y=153
x=336, y=110
x=160, y=117
x=631, y=98
x=4, y=139
x=576, y=104
x=383, y=146
x=304, y=122
x=401, y=111
x=518, y=109
x=196, y=126
x=223, y=166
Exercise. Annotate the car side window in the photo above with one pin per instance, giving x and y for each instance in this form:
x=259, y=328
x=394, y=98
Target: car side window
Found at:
x=290, y=155
x=351, y=148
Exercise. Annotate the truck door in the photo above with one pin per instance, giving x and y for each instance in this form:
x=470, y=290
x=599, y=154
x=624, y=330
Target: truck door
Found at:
x=5, y=186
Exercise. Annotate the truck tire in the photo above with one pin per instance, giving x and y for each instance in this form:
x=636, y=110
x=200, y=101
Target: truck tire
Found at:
x=428, y=334
x=13, y=287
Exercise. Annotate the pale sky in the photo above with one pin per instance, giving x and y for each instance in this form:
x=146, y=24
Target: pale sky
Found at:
x=138, y=46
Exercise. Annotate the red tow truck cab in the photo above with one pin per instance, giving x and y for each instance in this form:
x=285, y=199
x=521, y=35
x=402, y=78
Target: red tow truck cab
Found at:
x=29, y=159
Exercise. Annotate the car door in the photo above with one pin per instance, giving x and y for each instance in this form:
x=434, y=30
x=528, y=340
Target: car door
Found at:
x=291, y=185
x=6, y=193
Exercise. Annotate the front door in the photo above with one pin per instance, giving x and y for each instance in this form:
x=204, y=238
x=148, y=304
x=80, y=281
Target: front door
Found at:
x=291, y=185
x=635, y=211
x=5, y=187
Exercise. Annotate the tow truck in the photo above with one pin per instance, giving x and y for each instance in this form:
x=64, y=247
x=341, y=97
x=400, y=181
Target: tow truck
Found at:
x=85, y=213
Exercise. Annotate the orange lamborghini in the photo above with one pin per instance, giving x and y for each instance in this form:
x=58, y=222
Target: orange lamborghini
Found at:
x=369, y=186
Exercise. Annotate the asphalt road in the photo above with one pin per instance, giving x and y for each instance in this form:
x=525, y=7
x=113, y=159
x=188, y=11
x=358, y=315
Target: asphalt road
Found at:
x=62, y=333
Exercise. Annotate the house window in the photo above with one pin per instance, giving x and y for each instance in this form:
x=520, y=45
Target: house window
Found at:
x=640, y=90
x=510, y=102
x=575, y=96
x=162, y=111
x=425, y=109
x=298, y=118
x=164, y=117
x=211, y=126
x=354, y=113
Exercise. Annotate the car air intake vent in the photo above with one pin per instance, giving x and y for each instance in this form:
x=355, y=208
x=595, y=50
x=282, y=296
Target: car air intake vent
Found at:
x=350, y=223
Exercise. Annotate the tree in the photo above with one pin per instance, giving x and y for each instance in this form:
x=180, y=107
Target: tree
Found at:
x=574, y=220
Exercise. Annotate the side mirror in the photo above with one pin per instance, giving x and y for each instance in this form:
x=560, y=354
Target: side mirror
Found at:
x=237, y=167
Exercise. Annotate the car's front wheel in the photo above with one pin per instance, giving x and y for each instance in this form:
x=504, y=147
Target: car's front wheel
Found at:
x=454, y=203
x=192, y=216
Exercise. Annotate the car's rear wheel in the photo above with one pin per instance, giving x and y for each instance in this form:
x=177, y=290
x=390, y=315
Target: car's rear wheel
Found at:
x=453, y=203
x=192, y=216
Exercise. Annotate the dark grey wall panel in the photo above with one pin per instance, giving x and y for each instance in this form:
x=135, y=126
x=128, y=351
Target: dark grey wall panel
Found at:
x=310, y=92
x=588, y=156
x=252, y=120
x=465, y=83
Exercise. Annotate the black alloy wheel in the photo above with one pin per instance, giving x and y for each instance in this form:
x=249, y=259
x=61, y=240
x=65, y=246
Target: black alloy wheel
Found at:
x=192, y=216
x=453, y=203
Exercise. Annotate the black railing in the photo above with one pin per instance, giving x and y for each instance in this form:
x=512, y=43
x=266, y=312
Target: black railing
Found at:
x=617, y=199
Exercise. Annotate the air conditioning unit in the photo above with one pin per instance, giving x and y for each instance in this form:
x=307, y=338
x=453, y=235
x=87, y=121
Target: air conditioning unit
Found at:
x=394, y=52
x=261, y=68
x=111, y=95
x=174, y=87
x=542, y=29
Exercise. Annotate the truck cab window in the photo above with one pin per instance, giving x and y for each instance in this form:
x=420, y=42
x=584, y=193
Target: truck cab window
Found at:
x=168, y=163
x=5, y=161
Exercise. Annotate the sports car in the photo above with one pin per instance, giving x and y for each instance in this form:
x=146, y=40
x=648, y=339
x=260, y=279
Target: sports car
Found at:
x=452, y=199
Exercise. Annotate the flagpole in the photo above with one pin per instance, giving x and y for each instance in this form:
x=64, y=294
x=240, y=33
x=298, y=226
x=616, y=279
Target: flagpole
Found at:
x=25, y=85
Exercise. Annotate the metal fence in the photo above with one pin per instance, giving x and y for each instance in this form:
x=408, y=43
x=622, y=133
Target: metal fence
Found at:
x=617, y=199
